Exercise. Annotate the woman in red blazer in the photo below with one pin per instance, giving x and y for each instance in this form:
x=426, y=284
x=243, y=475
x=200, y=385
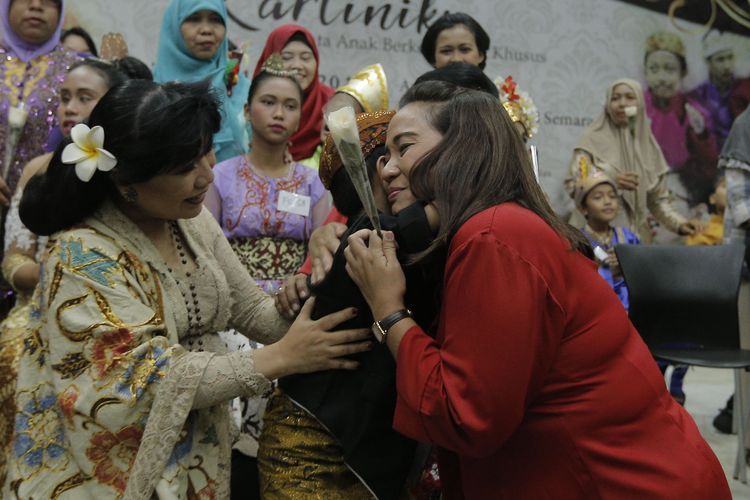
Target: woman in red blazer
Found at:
x=536, y=385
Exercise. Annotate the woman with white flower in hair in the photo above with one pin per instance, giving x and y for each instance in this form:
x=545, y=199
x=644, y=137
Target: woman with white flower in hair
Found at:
x=124, y=382
x=85, y=83
x=620, y=144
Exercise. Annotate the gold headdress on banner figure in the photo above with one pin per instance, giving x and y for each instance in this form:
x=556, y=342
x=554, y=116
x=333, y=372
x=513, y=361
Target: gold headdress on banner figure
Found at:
x=519, y=105
x=369, y=87
x=664, y=40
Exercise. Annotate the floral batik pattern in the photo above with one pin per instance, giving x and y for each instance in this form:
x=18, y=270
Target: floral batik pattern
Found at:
x=103, y=341
x=109, y=404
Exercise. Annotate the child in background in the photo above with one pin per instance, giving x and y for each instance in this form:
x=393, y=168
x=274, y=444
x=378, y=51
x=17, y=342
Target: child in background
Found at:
x=598, y=200
x=713, y=234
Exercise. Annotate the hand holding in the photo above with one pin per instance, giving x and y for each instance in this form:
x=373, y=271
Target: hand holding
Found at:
x=627, y=181
x=613, y=264
x=372, y=264
x=691, y=227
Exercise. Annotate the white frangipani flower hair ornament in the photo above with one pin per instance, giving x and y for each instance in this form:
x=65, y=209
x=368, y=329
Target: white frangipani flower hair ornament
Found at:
x=87, y=152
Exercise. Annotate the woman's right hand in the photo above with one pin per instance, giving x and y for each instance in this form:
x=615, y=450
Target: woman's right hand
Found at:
x=311, y=345
x=627, y=181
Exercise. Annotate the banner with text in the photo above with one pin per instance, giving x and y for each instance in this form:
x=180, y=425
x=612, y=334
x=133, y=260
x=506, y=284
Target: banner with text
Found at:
x=562, y=52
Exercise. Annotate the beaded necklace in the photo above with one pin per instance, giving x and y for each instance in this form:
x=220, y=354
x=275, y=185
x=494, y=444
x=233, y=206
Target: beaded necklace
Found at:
x=188, y=291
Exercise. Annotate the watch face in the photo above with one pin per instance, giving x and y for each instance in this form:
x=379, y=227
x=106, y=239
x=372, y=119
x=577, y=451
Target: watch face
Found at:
x=377, y=332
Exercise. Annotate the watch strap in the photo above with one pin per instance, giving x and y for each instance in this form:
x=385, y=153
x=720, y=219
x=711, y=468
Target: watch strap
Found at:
x=387, y=323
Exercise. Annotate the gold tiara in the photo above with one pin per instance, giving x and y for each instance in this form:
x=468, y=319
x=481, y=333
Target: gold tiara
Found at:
x=369, y=87
x=274, y=65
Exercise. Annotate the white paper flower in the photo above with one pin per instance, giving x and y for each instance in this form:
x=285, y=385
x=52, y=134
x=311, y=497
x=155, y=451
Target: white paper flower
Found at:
x=631, y=111
x=87, y=152
x=343, y=125
x=17, y=116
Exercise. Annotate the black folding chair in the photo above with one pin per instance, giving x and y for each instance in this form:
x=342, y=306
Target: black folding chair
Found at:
x=683, y=302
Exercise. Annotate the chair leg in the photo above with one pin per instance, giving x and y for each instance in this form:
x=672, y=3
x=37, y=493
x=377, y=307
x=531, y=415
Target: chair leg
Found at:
x=740, y=467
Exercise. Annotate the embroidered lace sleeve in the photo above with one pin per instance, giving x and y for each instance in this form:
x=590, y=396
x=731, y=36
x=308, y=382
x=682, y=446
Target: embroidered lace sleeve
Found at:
x=229, y=376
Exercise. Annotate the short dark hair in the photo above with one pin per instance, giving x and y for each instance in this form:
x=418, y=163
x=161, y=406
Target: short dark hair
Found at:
x=109, y=72
x=78, y=31
x=447, y=21
x=464, y=75
x=134, y=68
x=480, y=162
x=151, y=129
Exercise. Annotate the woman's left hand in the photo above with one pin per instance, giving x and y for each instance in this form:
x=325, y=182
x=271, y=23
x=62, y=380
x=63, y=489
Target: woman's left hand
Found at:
x=372, y=264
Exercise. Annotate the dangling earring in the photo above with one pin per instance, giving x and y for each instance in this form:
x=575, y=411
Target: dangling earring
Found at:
x=130, y=194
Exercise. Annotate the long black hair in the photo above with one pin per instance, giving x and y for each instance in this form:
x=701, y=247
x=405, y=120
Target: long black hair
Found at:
x=480, y=162
x=151, y=129
x=447, y=21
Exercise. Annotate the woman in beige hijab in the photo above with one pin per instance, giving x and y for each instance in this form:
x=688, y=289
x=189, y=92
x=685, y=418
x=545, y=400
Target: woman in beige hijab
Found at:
x=620, y=144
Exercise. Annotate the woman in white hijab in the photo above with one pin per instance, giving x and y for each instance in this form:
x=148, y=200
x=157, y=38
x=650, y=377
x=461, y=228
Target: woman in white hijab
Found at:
x=620, y=144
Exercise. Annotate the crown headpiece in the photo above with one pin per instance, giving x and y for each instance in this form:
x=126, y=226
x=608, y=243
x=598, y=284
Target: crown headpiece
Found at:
x=372, y=131
x=587, y=178
x=519, y=105
x=274, y=65
x=665, y=40
x=369, y=87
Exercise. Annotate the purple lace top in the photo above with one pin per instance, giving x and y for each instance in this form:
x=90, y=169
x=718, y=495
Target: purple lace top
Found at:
x=249, y=211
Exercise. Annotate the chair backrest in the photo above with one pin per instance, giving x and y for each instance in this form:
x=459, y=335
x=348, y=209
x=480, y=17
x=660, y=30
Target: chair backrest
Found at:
x=684, y=294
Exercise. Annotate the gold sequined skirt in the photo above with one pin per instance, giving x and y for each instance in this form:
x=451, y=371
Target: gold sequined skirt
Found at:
x=299, y=459
x=12, y=333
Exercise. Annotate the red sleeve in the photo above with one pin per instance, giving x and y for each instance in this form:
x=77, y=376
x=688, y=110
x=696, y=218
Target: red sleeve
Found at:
x=333, y=216
x=499, y=328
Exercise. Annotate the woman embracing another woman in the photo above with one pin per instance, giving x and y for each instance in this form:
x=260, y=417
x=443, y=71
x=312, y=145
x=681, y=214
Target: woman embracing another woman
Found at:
x=536, y=384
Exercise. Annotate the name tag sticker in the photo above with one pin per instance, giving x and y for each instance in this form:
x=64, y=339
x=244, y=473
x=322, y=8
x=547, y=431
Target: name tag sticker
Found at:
x=294, y=203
